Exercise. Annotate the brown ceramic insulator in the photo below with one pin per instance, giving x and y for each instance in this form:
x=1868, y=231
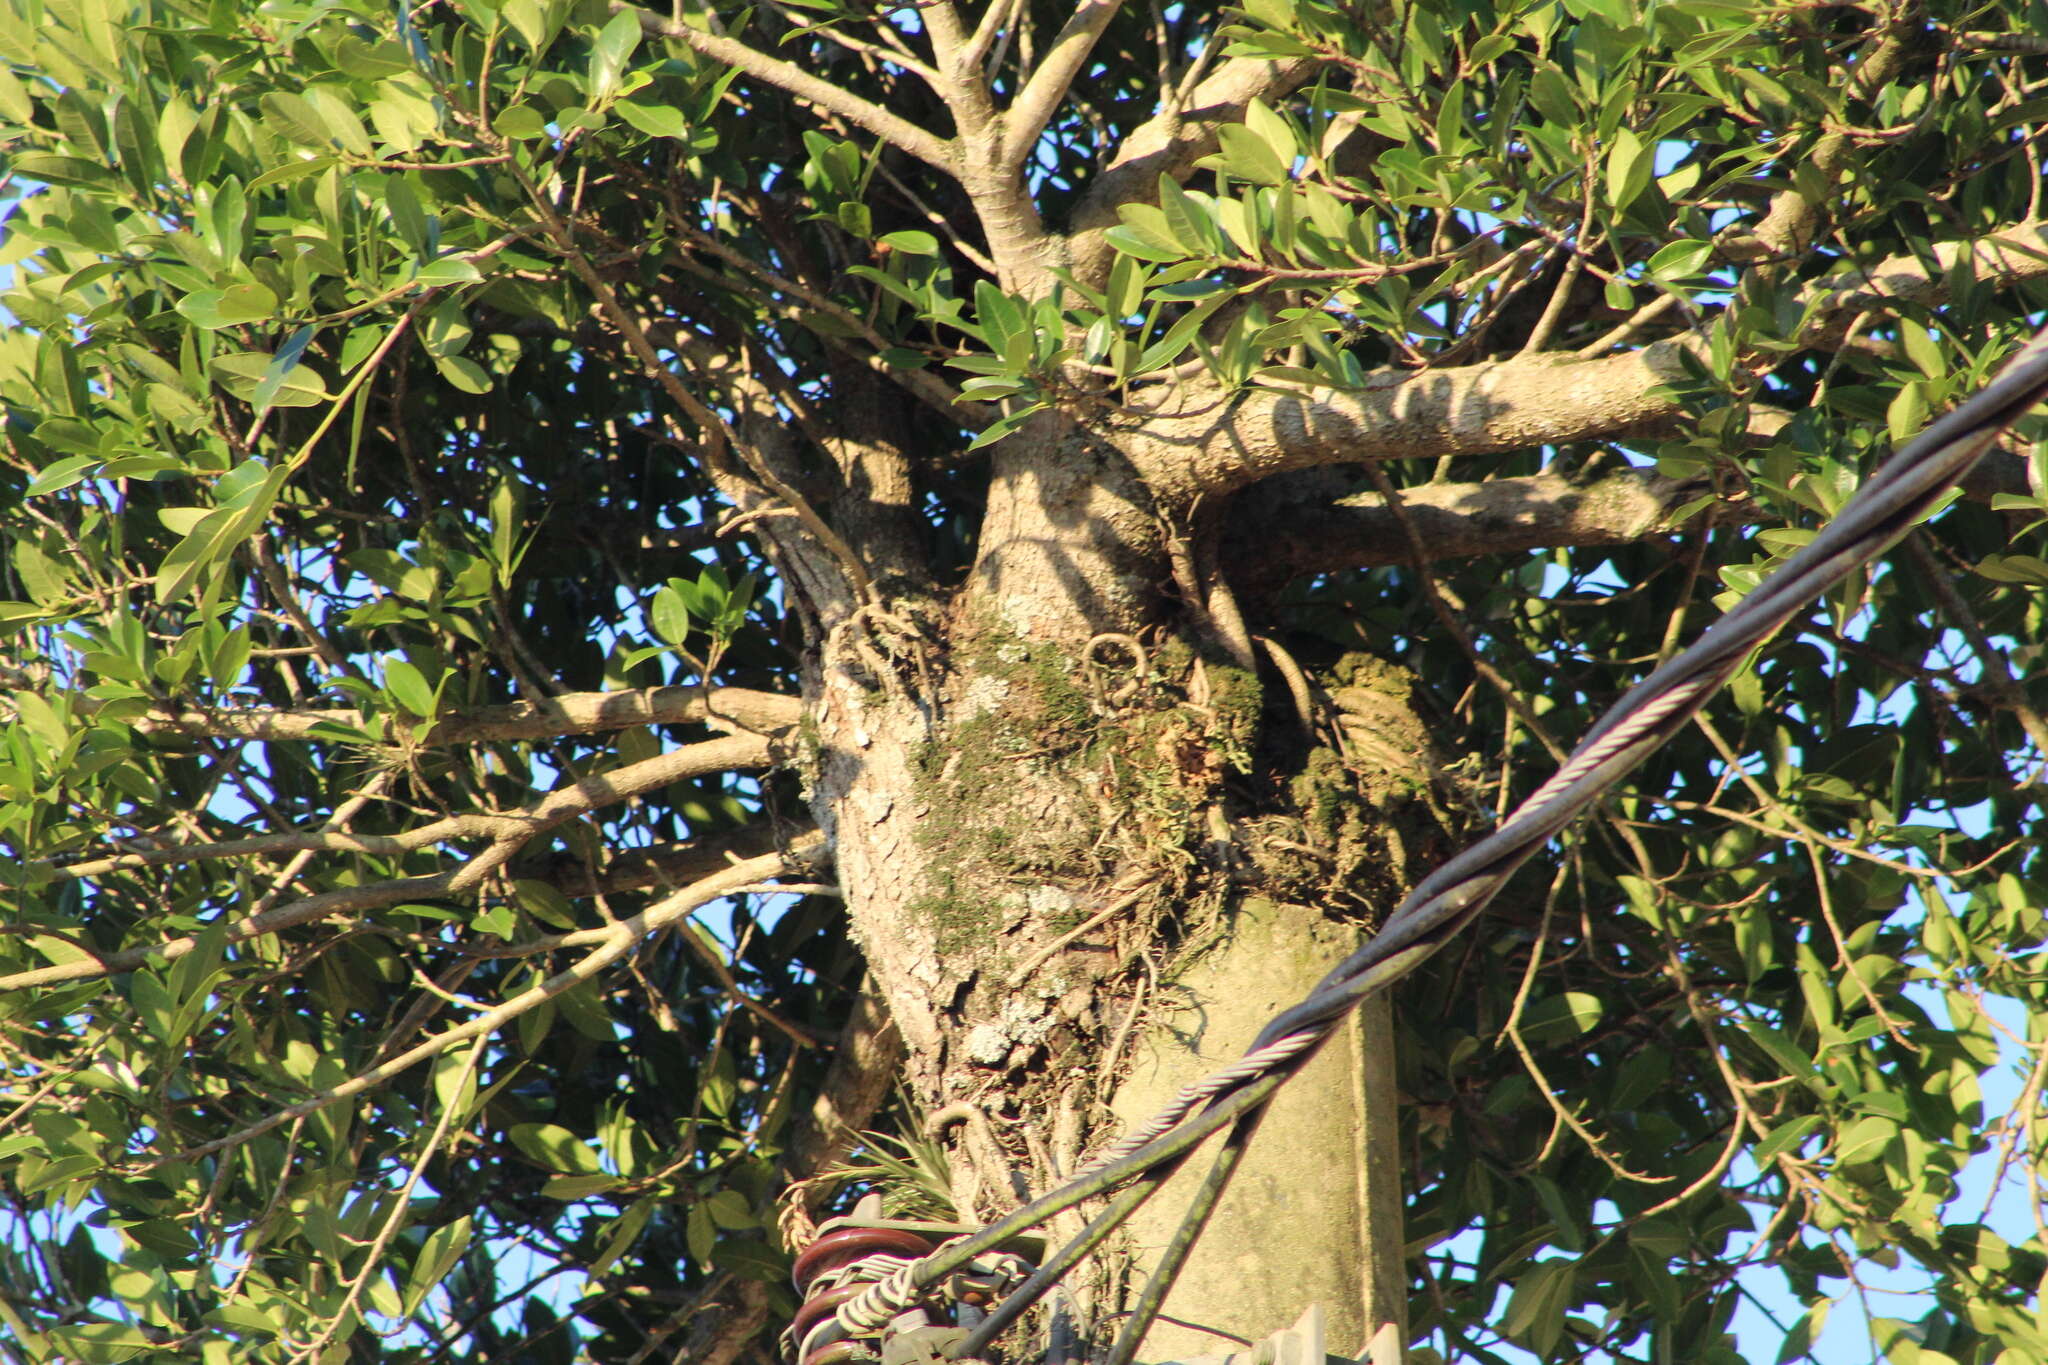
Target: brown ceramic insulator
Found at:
x=846, y=1245
x=821, y=1306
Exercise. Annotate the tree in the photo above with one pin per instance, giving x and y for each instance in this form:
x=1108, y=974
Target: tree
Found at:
x=621, y=621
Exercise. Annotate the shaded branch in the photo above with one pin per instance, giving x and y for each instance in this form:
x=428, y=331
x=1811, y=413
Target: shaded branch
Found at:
x=659, y=865
x=1458, y=520
x=865, y=1064
x=1793, y=220
x=732, y=753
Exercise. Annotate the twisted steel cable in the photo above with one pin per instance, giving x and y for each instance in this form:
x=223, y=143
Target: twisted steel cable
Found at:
x=1897, y=495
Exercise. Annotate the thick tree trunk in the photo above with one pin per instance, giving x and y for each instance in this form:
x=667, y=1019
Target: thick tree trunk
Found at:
x=1082, y=875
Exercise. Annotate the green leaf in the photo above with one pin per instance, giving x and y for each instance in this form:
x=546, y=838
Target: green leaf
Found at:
x=700, y=1235
x=62, y=474
x=730, y=1209
x=653, y=119
x=535, y=21
x=910, y=242
x=1907, y=412
x=231, y=307
x=1629, y=164
x=1785, y=1053
x=1003, y=426
x=242, y=373
x=624, y=1231
x=447, y=271
x=1248, y=157
x=609, y=53
x=464, y=373
x=1188, y=221
x=1800, y=1337
x=554, y=1147
x=438, y=1255
x=72, y=171
x=1922, y=349
x=1543, y=1294
x=1786, y=1137
x=2031, y=570
x=280, y=368
x=1273, y=131
x=670, y=616
x=1558, y=1017
x=1865, y=1140
x=1680, y=260
x=521, y=121
x=307, y=123
x=1131, y=242
x=409, y=687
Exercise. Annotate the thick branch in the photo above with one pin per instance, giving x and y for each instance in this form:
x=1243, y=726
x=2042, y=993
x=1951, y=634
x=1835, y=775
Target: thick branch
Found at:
x=1515, y=404
x=934, y=151
x=2009, y=256
x=1465, y=410
x=865, y=1066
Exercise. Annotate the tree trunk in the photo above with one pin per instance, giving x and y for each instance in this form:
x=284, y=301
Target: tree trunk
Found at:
x=1087, y=856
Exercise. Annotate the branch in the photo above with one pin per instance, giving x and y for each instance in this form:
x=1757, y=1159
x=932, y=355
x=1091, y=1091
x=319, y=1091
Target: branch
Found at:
x=865, y=1064
x=1793, y=221
x=1169, y=143
x=1463, y=410
x=1327, y=530
x=806, y=302
x=620, y=940
x=936, y=152
x=1520, y=403
x=2008, y=256
x=733, y=753
x=508, y=832
x=1033, y=108
x=1459, y=520
x=658, y=865
x=731, y=709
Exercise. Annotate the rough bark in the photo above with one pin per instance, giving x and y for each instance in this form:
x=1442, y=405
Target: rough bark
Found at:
x=1048, y=867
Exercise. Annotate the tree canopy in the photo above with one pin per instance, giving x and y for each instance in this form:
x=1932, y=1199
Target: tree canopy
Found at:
x=610, y=615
